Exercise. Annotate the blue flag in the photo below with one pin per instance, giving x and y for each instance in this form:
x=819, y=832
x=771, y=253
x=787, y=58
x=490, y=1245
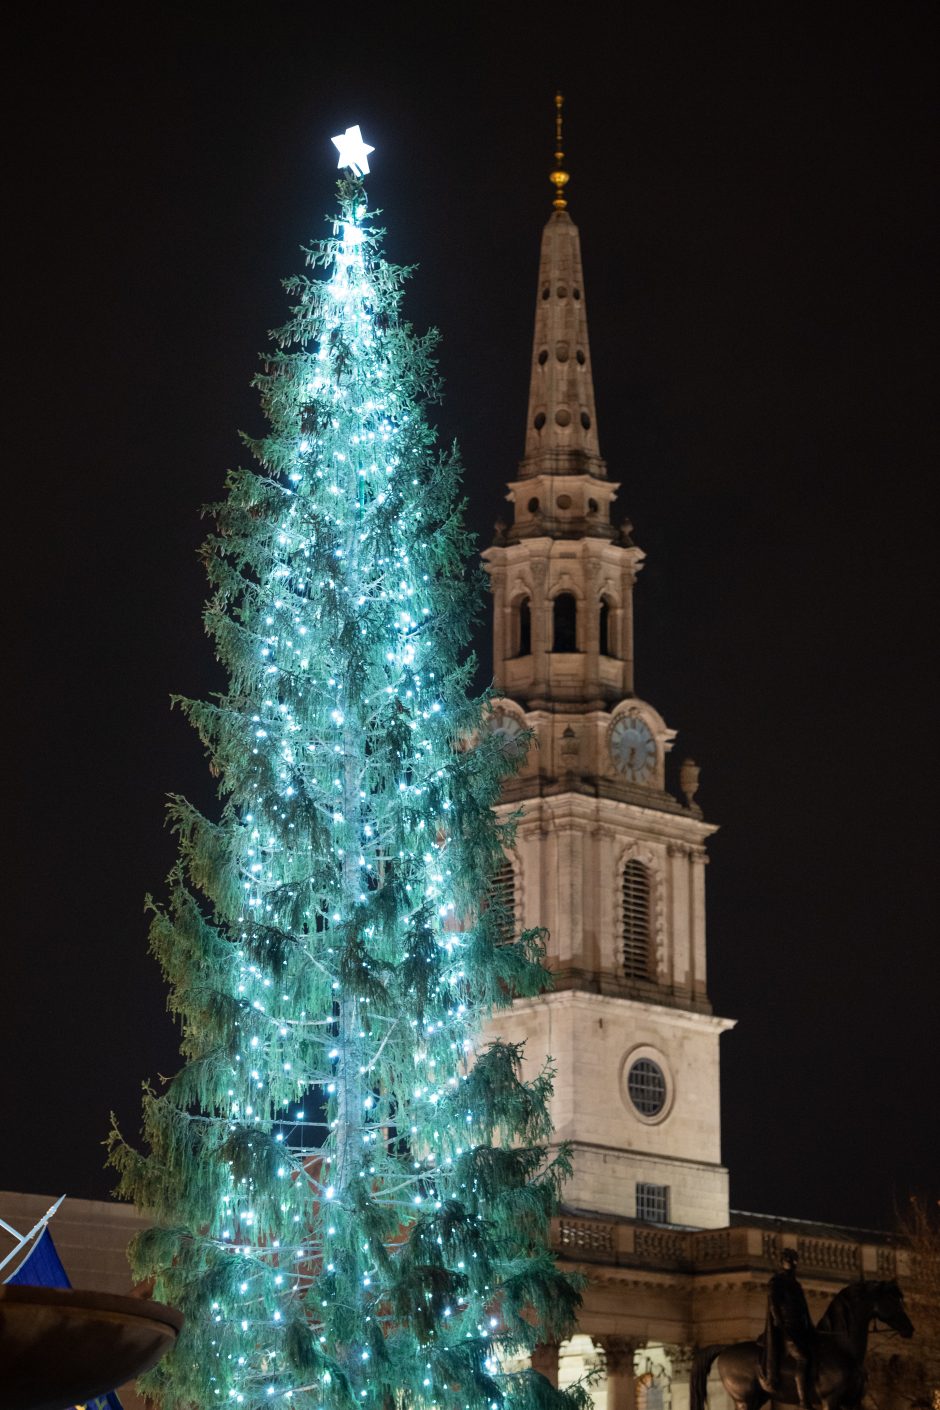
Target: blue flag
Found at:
x=43, y=1269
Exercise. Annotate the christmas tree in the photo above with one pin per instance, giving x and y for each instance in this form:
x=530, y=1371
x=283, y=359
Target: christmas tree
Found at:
x=350, y=1192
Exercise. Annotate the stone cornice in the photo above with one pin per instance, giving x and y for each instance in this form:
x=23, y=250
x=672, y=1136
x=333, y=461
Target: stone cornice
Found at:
x=678, y=1017
x=552, y=809
x=535, y=547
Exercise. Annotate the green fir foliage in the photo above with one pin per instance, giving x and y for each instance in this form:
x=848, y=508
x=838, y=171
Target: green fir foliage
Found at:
x=350, y=1190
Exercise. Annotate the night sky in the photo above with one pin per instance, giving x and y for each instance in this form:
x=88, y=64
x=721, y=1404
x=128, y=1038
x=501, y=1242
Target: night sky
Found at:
x=751, y=183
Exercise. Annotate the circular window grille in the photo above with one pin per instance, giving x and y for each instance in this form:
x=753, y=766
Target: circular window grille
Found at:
x=646, y=1086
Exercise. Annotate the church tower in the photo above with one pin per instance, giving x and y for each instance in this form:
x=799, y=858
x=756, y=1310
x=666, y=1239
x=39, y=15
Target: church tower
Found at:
x=608, y=861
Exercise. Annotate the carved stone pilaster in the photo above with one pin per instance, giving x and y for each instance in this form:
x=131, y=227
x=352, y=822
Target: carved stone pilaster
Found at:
x=679, y=849
x=541, y=625
x=569, y=749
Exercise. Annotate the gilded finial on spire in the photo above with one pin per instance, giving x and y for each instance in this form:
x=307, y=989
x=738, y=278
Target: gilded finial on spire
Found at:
x=559, y=178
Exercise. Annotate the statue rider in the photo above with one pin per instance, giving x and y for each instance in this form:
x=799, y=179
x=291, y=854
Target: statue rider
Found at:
x=788, y=1332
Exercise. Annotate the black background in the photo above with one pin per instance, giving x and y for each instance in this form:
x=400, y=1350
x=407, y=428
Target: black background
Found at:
x=751, y=183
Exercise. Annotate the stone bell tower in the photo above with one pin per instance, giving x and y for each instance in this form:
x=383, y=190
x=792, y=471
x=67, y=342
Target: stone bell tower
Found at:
x=607, y=860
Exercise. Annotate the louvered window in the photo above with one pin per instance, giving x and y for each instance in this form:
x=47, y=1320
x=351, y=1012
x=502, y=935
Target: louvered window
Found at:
x=502, y=896
x=636, y=920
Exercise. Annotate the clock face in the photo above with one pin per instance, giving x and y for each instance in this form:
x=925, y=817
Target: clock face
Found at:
x=633, y=748
x=508, y=730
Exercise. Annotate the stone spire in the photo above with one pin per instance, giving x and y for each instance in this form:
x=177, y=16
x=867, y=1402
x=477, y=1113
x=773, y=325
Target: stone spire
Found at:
x=604, y=858
x=561, y=430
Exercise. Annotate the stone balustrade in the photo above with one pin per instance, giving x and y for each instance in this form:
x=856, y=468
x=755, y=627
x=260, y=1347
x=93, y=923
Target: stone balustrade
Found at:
x=582, y=1238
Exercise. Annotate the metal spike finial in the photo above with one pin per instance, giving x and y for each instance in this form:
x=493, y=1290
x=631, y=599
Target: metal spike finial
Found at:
x=558, y=177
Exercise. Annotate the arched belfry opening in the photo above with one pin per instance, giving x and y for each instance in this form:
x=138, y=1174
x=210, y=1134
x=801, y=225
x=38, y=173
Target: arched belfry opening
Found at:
x=565, y=622
x=603, y=629
x=524, y=628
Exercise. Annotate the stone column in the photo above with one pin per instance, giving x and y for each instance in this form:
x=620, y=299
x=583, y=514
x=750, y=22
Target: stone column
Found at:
x=502, y=623
x=545, y=1361
x=681, y=962
x=621, y=1381
x=590, y=608
x=626, y=626
x=541, y=610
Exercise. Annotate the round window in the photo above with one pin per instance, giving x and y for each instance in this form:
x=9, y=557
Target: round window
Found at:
x=646, y=1086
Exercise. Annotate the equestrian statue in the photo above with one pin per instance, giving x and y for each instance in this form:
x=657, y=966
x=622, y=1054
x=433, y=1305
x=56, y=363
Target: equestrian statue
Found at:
x=795, y=1363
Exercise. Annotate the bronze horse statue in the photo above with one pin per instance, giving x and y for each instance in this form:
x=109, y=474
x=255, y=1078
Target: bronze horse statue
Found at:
x=839, y=1354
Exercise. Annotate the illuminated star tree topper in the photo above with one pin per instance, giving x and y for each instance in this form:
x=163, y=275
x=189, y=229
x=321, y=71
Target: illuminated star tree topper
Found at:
x=349, y=1190
x=353, y=151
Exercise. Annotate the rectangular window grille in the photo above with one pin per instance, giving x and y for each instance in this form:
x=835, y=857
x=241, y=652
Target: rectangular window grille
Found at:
x=636, y=920
x=652, y=1203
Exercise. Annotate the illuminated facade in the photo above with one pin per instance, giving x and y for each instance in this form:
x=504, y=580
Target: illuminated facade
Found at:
x=612, y=864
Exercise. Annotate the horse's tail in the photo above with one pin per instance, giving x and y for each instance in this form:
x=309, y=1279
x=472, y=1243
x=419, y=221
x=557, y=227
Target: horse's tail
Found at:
x=701, y=1365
